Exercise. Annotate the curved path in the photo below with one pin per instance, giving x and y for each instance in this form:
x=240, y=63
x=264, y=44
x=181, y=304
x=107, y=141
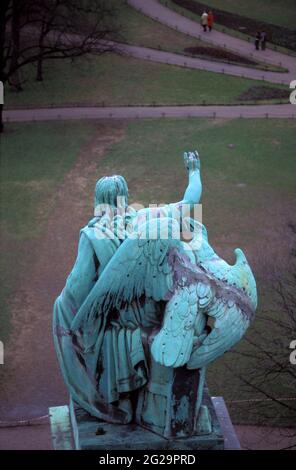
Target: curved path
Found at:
x=158, y=12
x=146, y=53
x=178, y=59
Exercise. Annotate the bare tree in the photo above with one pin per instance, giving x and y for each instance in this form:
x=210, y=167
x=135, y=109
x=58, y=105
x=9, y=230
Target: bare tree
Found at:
x=33, y=31
x=268, y=352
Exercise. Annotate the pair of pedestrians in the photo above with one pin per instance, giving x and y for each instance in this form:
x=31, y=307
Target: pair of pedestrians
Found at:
x=207, y=20
x=260, y=40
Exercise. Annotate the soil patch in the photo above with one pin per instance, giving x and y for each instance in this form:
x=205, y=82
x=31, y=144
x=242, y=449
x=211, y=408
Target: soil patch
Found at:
x=219, y=54
x=264, y=93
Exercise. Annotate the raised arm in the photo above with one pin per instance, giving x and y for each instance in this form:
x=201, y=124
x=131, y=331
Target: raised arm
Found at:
x=191, y=196
x=193, y=191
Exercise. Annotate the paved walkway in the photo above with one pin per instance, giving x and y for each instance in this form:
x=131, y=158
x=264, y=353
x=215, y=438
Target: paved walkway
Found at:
x=171, y=58
x=157, y=11
x=134, y=112
x=180, y=60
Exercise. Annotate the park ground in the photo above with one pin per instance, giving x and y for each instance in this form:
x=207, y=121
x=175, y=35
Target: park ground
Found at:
x=48, y=172
x=115, y=79
x=244, y=19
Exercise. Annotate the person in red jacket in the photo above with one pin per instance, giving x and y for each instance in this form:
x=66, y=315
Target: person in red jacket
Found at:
x=210, y=20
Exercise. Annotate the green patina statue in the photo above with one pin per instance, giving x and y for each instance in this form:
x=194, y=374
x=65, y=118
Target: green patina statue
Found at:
x=131, y=326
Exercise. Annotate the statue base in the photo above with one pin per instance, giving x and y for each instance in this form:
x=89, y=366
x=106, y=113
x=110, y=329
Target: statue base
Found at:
x=74, y=428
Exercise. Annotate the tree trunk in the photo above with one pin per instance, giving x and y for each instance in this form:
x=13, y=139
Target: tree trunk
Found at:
x=15, y=36
x=39, y=75
x=3, y=18
x=1, y=119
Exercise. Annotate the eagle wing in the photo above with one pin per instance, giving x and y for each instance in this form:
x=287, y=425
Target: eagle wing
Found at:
x=184, y=320
x=230, y=324
x=140, y=267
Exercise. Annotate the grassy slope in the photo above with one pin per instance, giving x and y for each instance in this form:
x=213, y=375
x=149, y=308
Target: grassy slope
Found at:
x=278, y=12
x=117, y=80
x=256, y=159
x=120, y=80
x=34, y=160
x=232, y=32
x=141, y=30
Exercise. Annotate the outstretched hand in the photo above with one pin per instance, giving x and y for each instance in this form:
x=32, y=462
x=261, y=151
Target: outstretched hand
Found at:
x=191, y=161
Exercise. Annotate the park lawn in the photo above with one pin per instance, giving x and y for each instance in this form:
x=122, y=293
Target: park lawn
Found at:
x=35, y=157
x=248, y=199
x=115, y=80
x=235, y=31
x=278, y=12
x=137, y=28
x=248, y=172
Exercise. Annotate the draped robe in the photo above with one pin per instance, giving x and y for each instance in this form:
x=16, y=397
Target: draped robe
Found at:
x=103, y=381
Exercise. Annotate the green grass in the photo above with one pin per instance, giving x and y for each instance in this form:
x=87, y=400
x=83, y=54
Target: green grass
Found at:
x=278, y=12
x=247, y=191
x=232, y=32
x=117, y=80
x=136, y=28
x=260, y=163
x=34, y=160
x=141, y=30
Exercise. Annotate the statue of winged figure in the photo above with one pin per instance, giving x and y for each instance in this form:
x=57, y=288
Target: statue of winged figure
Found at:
x=145, y=322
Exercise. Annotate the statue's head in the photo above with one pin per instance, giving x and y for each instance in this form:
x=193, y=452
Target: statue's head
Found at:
x=109, y=189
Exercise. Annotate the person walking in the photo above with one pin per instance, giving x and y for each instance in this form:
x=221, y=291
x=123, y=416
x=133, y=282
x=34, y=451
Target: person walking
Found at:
x=204, y=20
x=263, y=40
x=257, y=40
x=210, y=20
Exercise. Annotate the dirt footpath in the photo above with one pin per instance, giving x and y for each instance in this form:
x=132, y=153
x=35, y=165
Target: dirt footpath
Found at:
x=33, y=381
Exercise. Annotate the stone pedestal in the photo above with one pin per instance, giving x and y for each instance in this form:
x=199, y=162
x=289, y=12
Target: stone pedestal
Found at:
x=73, y=428
x=167, y=405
